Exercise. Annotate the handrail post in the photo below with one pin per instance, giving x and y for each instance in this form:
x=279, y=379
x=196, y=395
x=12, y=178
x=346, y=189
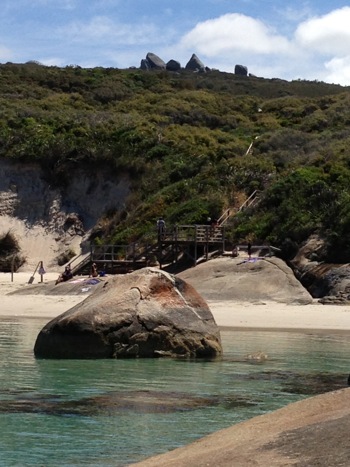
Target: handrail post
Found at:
x=195, y=246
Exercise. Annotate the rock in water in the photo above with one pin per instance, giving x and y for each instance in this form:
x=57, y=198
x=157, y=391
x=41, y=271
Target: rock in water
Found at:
x=147, y=313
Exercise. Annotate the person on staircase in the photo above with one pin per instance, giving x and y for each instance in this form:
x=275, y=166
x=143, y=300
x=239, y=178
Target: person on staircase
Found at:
x=161, y=229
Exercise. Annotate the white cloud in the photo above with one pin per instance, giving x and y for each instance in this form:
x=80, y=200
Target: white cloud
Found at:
x=328, y=34
x=235, y=32
x=338, y=70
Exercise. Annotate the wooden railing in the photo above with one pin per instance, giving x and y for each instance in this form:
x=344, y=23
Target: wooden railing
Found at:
x=195, y=234
x=231, y=211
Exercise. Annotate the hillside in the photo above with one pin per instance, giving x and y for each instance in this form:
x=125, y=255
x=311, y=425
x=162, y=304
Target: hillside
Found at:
x=98, y=154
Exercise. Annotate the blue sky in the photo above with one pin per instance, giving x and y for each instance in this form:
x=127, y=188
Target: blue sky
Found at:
x=273, y=39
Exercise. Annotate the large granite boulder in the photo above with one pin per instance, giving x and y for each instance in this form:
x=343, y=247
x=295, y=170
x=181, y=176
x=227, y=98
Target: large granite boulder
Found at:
x=144, y=65
x=258, y=280
x=241, y=70
x=194, y=64
x=152, y=62
x=147, y=313
x=329, y=282
x=173, y=65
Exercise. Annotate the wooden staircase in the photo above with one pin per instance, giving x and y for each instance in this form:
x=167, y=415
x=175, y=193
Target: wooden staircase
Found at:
x=251, y=201
x=195, y=242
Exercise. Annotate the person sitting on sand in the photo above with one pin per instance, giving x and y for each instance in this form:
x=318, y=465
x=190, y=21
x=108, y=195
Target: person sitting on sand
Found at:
x=66, y=275
x=235, y=251
x=93, y=271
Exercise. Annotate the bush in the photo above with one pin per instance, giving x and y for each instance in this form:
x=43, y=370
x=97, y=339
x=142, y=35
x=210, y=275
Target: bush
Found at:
x=65, y=256
x=10, y=257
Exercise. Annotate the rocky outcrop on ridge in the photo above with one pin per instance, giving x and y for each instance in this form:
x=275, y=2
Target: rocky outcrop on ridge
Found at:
x=194, y=64
x=173, y=65
x=153, y=62
x=241, y=70
x=147, y=313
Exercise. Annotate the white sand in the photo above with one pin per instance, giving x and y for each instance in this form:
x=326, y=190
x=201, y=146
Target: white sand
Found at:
x=228, y=314
x=280, y=316
x=32, y=306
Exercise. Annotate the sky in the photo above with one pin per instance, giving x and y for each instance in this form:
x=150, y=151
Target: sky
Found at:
x=307, y=40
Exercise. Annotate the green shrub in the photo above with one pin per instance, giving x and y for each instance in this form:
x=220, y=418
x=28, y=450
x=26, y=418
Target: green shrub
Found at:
x=65, y=256
x=10, y=253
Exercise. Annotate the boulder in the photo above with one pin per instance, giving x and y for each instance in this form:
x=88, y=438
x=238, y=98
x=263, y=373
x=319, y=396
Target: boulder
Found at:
x=144, y=64
x=329, y=282
x=194, y=64
x=173, y=65
x=241, y=70
x=153, y=62
x=147, y=313
x=261, y=279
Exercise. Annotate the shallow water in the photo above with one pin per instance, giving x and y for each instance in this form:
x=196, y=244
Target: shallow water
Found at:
x=115, y=412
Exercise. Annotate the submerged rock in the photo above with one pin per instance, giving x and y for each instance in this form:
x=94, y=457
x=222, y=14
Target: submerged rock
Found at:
x=120, y=402
x=147, y=313
x=256, y=357
x=110, y=403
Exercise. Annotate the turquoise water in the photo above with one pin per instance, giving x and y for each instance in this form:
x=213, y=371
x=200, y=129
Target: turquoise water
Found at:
x=115, y=412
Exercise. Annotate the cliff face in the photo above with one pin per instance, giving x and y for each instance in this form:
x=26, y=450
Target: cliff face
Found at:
x=46, y=220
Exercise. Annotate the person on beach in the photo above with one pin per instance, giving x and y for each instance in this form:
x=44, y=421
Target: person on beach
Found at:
x=249, y=250
x=235, y=251
x=93, y=270
x=66, y=275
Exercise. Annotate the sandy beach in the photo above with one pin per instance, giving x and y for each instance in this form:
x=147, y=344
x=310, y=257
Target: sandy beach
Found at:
x=32, y=306
x=260, y=314
x=272, y=316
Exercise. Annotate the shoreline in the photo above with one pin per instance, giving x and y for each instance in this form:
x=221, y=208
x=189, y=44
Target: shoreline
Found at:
x=281, y=317
x=258, y=316
x=322, y=331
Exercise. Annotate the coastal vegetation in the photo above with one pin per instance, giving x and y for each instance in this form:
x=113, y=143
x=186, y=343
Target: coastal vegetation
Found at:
x=182, y=139
x=10, y=253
